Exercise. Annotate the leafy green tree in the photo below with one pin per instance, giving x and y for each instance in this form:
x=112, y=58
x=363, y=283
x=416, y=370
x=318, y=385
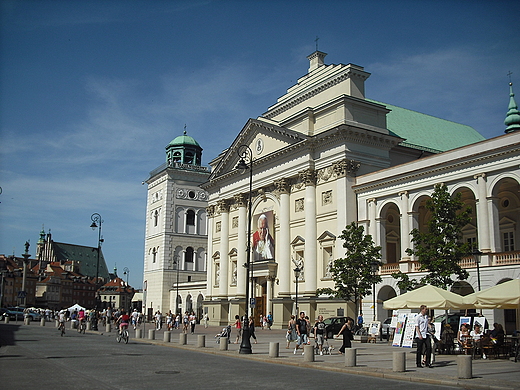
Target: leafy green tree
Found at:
x=440, y=248
x=352, y=275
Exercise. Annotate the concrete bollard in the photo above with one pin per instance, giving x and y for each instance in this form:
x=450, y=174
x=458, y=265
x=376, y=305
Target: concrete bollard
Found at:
x=138, y=333
x=42, y=322
x=89, y=325
x=399, y=362
x=350, y=357
x=274, y=349
x=6, y=319
x=183, y=338
x=27, y=321
x=108, y=327
x=308, y=351
x=464, y=367
x=151, y=334
x=201, y=341
x=167, y=335
x=223, y=345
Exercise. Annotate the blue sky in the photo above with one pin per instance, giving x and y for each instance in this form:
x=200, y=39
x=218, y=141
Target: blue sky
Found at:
x=92, y=91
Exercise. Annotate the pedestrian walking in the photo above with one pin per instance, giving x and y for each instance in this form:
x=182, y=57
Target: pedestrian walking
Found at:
x=301, y=330
x=346, y=330
x=252, y=328
x=238, y=326
x=292, y=335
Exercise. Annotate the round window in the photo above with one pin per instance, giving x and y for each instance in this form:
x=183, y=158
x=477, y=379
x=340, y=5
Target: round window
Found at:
x=191, y=194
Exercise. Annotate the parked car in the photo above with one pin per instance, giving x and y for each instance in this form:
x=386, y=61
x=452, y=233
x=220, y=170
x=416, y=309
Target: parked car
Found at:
x=18, y=314
x=333, y=325
x=385, y=328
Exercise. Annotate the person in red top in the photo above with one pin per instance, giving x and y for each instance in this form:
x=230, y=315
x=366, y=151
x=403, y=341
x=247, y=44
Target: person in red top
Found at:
x=123, y=321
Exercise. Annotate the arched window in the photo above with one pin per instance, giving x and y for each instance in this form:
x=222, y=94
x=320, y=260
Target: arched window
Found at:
x=156, y=218
x=190, y=218
x=177, y=156
x=190, y=222
x=188, y=259
x=154, y=255
x=188, y=158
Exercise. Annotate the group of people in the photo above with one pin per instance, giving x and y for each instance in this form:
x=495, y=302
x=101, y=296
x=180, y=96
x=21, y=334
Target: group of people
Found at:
x=467, y=339
x=187, y=321
x=299, y=330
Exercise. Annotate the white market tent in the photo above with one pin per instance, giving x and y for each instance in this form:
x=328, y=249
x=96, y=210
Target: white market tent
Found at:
x=75, y=307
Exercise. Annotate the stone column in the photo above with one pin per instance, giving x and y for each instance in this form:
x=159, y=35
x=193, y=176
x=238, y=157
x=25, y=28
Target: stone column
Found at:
x=494, y=224
x=241, y=200
x=310, y=257
x=482, y=214
x=283, y=240
x=372, y=227
x=405, y=226
x=209, y=263
x=224, y=248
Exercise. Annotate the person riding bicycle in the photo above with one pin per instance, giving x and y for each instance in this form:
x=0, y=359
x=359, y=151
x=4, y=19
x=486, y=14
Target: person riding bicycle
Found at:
x=81, y=318
x=61, y=319
x=123, y=321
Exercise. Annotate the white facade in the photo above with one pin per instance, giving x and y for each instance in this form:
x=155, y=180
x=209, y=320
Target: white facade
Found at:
x=324, y=157
x=175, y=237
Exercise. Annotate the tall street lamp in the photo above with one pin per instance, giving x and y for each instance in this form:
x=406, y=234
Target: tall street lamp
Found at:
x=297, y=271
x=374, y=265
x=476, y=256
x=97, y=221
x=176, y=262
x=126, y=272
x=245, y=152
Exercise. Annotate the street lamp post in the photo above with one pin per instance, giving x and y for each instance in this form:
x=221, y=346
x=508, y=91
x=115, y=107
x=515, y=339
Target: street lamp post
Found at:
x=245, y=152
x=476, y=256
x=374, y=267
x=176, y=262
x=126, y=272
x=97, y=221
x=297, y=271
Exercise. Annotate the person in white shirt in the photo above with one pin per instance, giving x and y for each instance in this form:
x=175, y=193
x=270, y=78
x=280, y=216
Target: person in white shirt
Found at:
x=421, y=329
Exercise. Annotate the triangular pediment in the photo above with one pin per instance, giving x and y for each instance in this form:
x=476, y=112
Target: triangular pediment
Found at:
x=263, y=137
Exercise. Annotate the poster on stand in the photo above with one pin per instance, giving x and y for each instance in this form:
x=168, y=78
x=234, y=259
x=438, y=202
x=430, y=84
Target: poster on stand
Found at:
x=399, y=329
x=395, y=314
x=409, y=330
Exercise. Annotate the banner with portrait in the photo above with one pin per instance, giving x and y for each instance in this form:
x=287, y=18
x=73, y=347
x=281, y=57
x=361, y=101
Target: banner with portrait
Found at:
x=263, y=236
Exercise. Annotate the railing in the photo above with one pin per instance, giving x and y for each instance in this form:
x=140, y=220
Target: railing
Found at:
x=496, y=259
x=506, y=258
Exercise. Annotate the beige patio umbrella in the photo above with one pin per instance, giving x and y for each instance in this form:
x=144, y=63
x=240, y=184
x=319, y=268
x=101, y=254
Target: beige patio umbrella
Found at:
x=502, y=296
x=431, y=296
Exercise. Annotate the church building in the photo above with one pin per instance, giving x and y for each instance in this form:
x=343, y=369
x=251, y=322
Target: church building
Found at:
x=324, y=156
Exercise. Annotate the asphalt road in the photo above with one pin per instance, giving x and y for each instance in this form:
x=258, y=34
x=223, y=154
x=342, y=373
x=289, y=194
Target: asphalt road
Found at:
x=34, y=357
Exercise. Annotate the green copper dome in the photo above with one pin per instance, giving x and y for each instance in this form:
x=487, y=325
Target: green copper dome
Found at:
x=184, y=140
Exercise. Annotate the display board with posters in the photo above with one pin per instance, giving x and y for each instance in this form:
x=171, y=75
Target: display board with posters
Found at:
x=399, y=329
x=409, y=331
x=373, y=328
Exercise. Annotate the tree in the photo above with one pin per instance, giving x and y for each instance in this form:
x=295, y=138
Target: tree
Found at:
x=352, y=275
x=440, y=249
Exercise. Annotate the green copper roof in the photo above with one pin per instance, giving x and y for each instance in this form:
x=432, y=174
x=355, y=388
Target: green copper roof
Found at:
x=513, y=115
x=184, y=140
x=428, y=132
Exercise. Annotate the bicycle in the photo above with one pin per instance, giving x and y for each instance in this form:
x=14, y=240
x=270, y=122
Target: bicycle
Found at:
x=82, y=327
x=61, y=327
x=122, y=336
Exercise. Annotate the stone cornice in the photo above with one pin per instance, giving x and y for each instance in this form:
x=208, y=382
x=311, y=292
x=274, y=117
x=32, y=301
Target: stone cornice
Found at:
x=434, y=169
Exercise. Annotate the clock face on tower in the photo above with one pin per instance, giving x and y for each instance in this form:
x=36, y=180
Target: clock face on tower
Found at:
x=259, y=145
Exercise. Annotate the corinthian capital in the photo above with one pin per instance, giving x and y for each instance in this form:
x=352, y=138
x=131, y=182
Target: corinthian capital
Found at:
x=283, y=186
x=308, y=177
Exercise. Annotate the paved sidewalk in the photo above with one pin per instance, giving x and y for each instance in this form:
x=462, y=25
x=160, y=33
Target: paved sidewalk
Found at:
x=371, y=359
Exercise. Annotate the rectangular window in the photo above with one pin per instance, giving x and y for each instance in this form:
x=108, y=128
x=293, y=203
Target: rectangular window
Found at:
x=509, y=243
